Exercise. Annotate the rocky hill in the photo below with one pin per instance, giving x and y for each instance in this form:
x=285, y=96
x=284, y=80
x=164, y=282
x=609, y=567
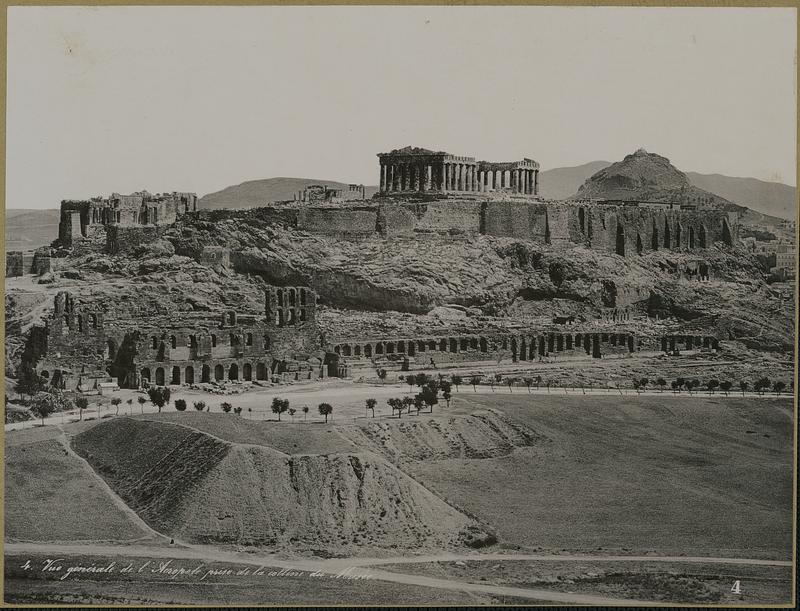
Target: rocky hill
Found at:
x=259, y=192
x=649, y=177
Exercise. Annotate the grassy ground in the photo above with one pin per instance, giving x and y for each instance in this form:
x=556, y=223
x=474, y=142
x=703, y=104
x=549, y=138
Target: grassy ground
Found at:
x=50, y=496
x=656, y=581
x=284, y=436
x=36, y=586
x=638, y=473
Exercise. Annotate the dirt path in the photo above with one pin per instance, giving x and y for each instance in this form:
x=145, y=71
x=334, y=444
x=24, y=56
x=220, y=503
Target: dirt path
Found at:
x=336, y=566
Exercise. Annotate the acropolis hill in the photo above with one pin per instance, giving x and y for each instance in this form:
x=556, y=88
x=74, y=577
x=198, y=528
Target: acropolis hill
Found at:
x=454, y=262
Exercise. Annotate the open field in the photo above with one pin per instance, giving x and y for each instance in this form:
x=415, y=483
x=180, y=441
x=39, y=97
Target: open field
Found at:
x=655, y=581
x=635, y=473
x=51, y=496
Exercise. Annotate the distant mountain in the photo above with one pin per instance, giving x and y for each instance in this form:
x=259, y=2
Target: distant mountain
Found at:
x=29, y=229
x=771, y=198
x=260, y=192
x=561, y=183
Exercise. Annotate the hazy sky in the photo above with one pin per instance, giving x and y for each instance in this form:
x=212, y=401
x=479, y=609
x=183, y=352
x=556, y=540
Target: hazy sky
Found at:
x=199, y=98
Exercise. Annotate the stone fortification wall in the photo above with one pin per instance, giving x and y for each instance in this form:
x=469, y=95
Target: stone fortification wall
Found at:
x=338, y=221
x=396, y=220
x=120, y=239
x=447, y=216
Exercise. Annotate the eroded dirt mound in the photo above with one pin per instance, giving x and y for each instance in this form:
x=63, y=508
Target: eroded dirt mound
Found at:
x=483, y=435
x=201, y=489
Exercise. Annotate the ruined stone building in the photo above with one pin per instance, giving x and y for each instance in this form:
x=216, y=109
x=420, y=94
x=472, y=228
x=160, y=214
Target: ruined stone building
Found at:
x=78, y=347
x=414, y=169
x=88, y=219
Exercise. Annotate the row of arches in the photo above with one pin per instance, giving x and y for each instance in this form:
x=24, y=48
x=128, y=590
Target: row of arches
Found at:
x=175, y=375
x=671, y=343
x=288, y=297
x=523, y=348
x=157, y=342
x=79, y=322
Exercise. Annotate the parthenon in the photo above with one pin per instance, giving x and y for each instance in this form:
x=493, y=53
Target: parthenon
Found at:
x=413, y=169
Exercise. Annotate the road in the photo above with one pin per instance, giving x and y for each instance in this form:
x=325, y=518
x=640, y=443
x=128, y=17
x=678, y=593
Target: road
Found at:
x=347, y=398
x=335, y=566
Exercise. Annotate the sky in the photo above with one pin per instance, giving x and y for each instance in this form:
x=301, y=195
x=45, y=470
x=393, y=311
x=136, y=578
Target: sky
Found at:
x=118, y=99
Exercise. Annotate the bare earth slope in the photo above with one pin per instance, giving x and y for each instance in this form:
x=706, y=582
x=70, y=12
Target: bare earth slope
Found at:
x=199, y=488
x=259, y=192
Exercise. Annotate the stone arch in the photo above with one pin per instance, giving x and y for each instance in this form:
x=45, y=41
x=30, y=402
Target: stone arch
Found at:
x=357, y=350
x=233, y=372
x=219, y=372
x=620, y=249
x=248, y=339
x=702, y=237
x=523, y=350
x=144, y=374
x=401, y=346
x=727, y=238
x=346, y=350
x=155, y=343
x=266, y=342
x=159, y=376
x=247, y=372
x=213, y=341
x=176, y=375
x=582, y=220
x=514, y=354
x=303, y=297
x=188, y=375
x=379, y=348
x=173, y=341
x=443, y=345
x=292, y=297
x=368, y=350
x=261, y=371
x=484, y=345
x=337, y=349
x=111, y=350
x=205, y=374
x=691, y=237
x=411, y=348
x=453, y=345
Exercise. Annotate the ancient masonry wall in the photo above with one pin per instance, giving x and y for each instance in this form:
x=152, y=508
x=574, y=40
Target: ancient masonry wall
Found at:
x=19, y=263
x=121, y=239
x=348, y=221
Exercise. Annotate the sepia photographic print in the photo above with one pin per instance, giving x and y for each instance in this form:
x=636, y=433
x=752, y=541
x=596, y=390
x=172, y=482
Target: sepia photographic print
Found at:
x=400, y=306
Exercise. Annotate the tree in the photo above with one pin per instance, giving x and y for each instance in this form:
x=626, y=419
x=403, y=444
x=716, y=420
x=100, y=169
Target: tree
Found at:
x=237, y=410
x=305, y=411
x=643, y=383
x=159, y=396
x=130, y=405
x=407, y=403
x=418, y=402
x=115, y=402
x=411, y=380
x=726, y=386
x=475, y=380
x=279, y=406
x=510, y=382
x=292, y=412
x=762, y=384
x=680, y=383
x=743, y=386
x=226, y=407
x=538, y=381
x=381, y=374
x=528, y=383
x=457, y=381
x=28, y=381
x=325, y=409
x=430, y=395
x=778, y=387
x=141, y=401
x=42, y=408
x=180, y=405
x=199, y=405
x=397, y=405
x=712, y=385
x=447, y=395
x=81, y=403
x=421, y=379
x=661, y=383
x=370, y=404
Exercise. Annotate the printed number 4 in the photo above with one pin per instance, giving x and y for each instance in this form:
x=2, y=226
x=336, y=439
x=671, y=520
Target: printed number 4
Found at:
x=736, y=588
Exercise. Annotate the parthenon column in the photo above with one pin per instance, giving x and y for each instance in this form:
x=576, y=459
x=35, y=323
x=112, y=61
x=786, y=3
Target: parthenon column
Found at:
x=470, y=178
x=459, y=177
x=513, y=180
x=536, y=182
